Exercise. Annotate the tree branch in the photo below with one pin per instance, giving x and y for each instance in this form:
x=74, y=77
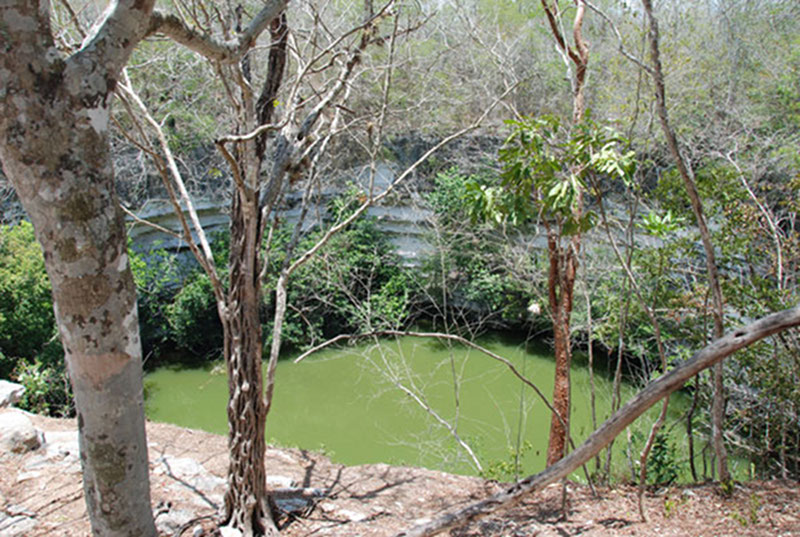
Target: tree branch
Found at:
x=206, y=45
x=109, y=44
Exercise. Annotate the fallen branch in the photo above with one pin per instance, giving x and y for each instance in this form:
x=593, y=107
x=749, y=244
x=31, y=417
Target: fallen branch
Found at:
x=635, y=407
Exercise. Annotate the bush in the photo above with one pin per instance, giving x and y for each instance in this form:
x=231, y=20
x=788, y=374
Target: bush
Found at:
x=157, y=279
x=47, y=389
x=471, y=266
x=353, y=284
x=193, y=319
x=27, y=321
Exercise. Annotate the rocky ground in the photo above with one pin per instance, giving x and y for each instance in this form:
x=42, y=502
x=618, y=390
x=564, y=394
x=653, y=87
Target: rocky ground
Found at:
x=40, y=494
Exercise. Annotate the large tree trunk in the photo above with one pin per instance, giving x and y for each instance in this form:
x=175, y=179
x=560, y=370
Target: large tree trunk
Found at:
x=54, y=146
x=81, y=232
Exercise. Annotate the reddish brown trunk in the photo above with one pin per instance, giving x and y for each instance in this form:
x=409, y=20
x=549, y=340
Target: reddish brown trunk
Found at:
x=556, y=447
x=561, y=283
x=564, y=262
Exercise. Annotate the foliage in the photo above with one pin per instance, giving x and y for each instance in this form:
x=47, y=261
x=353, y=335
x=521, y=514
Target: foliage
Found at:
x=155, y=274
x=30, y=351
x=193, y=319
x=354, y=284
x=662, y=465
x=548, y=166
x=507, y=469
x=47, y=389
x=468, y=274
x=27, y=322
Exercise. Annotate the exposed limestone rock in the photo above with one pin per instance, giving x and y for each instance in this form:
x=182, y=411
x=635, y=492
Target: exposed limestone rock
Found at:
x=10, y=393
x=16, y=526
x=17, y=433
x=170, y=522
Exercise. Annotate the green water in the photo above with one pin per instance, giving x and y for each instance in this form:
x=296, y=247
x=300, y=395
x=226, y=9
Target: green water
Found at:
x=346, y=403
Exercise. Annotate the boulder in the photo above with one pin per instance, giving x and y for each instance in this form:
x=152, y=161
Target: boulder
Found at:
x=17, y=433
x=171, y=522
x=10, y=393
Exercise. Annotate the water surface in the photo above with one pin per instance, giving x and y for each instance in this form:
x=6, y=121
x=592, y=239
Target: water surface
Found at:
x=354, y=404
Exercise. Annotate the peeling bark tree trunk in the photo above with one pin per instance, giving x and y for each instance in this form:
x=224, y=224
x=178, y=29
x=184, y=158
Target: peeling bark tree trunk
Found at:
x=561, y=284
x=247, y=505
x=54, y=146
x=246, y=501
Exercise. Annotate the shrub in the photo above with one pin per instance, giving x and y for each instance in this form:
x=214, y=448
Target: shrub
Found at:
x=193, y=319
x=47, y=389
x=27, y=321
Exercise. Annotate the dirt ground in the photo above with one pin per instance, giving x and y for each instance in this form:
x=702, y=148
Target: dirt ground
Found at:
x=43, y=490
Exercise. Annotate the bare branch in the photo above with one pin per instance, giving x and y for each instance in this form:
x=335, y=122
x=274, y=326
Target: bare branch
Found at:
x=111, y=41
x=402, y=177
x=214, y=49
x=203, y=254
x=622, y=49
x=150, y=224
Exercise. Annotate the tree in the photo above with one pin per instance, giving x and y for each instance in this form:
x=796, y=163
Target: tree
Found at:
x=260, y=179
x=54, y=147
x=278, y=142
x=564, y=257
x=687, y=174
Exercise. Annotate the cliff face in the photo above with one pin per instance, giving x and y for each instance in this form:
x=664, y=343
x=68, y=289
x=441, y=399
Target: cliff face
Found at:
x=403, y=216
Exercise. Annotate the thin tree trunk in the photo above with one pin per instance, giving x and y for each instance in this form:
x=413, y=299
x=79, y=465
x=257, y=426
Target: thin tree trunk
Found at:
x=592, y=392
x=690, y=428
x=556, y=446
x=718, y=406
x=564, y=261
x=561, y=285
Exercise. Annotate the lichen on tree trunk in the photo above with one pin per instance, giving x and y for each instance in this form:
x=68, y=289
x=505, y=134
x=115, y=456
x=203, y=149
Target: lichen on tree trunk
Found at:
x=55, y=150
x=68, y=192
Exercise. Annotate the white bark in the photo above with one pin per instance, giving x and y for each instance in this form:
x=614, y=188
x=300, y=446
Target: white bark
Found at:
x=54, y=146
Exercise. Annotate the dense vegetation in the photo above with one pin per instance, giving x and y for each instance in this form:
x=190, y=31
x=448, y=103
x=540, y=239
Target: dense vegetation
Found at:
x=734, y=88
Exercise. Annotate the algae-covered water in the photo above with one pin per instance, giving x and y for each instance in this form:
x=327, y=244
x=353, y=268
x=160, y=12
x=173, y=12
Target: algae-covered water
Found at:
x=355, y=404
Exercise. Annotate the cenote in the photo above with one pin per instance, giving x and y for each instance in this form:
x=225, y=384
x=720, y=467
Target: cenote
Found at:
x=346, y=402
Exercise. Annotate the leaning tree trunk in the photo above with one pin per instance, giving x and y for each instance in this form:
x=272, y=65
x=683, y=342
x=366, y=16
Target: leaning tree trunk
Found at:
x=55, y=150
x=613, y=426
x=687, y=175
